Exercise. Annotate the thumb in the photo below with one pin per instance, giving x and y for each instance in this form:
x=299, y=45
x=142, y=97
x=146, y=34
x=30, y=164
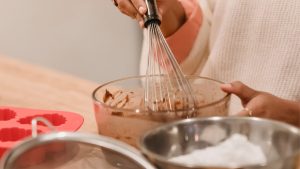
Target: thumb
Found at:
x=241, y=90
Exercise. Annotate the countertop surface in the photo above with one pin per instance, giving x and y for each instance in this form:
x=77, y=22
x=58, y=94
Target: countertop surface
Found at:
x=30, y=86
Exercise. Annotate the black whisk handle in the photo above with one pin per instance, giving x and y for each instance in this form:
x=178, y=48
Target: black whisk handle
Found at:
x=152, y=13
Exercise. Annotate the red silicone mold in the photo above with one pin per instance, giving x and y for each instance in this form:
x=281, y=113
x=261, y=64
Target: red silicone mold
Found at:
x=15, y=124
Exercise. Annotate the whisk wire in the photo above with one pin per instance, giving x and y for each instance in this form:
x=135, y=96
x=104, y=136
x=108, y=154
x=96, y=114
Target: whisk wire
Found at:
x=166, y=85
x=154, y=69
x=184, y=85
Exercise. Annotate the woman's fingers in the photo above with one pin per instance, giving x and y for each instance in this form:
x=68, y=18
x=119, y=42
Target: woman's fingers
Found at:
x=140, y=6
x=127, y=8
x=133, y=8
x=244, y=92
x=115, y=3
x=140, y=20
x=263, y=104
x=247, y=112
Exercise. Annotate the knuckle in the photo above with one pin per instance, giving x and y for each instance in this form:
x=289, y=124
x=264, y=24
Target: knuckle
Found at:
x=132, y=14
x=137, y=2
x=261, y=106
x=137, y=16
x=123, y=11
x=238, y=85
x=121, y=5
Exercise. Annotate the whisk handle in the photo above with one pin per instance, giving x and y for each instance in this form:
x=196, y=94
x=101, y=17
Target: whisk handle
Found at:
x=152, y=13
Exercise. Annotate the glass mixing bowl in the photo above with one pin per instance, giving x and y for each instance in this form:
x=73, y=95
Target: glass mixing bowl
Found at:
x=121, y=114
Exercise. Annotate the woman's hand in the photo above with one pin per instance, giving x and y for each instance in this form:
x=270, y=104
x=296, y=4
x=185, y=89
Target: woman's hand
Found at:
x=266, y=105
x=171, y=13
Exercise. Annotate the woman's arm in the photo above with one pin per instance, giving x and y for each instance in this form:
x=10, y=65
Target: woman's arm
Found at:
x=182, y=41
x=190, y=42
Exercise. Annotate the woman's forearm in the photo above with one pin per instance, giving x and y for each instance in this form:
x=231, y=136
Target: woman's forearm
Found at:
x=173, y=19
x=294, y=108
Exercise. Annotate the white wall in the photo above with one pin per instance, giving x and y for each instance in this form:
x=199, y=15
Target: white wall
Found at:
x=88, y=38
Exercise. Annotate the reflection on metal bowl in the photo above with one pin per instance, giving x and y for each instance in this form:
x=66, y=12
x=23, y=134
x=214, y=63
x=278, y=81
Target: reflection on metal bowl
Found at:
x=279, y=142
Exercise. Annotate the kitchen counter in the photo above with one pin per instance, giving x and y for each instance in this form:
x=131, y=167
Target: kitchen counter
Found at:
x=31, y=86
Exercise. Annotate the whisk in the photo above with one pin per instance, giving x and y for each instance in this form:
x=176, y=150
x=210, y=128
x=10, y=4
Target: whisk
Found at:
x=166, y=88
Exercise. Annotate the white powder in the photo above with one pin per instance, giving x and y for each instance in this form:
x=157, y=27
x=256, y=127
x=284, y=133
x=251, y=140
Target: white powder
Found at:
x=236, y=151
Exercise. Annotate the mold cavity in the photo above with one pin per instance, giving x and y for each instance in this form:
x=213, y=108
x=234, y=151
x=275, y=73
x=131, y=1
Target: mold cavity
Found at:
x=2, y=150
x=7, y=114
x=13, y=134
x=54, y=119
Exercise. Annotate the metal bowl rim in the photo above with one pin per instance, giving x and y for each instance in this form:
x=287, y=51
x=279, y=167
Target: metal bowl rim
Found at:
x=80, y=137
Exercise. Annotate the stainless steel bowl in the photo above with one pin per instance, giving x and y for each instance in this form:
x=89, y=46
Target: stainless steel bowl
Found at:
x=280, y=142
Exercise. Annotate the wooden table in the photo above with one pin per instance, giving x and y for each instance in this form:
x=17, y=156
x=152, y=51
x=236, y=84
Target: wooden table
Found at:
x=26, y=85
x=31, y=86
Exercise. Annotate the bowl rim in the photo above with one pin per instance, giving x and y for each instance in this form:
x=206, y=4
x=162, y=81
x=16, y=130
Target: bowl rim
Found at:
x=97, y=101
x=165, y=160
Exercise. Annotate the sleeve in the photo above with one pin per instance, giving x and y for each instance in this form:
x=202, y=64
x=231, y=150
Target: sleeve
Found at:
x=195, y=60
x=183, y=39
x=188, y=43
